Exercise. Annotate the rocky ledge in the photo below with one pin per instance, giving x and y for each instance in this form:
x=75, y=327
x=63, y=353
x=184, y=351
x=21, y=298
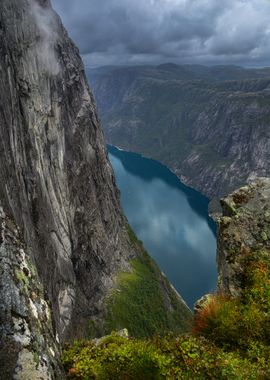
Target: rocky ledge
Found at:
x=244, y=230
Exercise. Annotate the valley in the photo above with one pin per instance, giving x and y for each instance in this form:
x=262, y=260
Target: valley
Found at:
x=209, y=125
x=172, y=221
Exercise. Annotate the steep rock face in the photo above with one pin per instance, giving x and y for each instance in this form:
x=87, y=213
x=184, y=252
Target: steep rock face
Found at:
x=244, y=231
x=208, y=125
x=55, y=178
x=28, y=346
x=56, y=182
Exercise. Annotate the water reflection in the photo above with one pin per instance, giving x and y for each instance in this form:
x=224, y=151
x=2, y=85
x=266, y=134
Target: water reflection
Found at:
x=171, y=220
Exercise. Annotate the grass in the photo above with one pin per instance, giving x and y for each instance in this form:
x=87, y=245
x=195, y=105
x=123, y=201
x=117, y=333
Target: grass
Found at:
x=132, y=236
x=139, y=302
x=230, y=339
x=143, y=300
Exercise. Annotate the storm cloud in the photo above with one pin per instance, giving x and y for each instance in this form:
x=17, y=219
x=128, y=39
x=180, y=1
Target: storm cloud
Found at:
x=181, y=31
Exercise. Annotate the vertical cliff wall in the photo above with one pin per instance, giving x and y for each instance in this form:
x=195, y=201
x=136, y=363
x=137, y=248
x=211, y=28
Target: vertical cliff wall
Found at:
x=55, y=179
x=56, y=183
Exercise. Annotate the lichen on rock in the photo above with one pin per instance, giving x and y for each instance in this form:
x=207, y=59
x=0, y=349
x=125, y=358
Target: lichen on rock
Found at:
x=244, y=230
x=28, y=346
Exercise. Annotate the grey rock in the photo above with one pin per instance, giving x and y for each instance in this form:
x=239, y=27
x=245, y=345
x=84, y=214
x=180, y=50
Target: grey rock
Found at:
x=202, y=303
x=56, y=181
x=243, y=230
x=28, y=346
x=122, y=333
x=58, y=189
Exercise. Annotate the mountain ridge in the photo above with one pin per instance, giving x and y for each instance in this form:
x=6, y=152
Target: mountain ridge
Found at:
x=213, y=133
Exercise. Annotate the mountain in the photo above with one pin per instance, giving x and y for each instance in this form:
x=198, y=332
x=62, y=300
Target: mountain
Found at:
x=230, y=334
x=65, y=244
x=209, y=125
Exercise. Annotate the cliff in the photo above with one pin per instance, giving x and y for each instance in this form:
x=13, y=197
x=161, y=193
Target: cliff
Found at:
x=209, y=125
x=55, y=179
x=57, y=187
x=230, y=332
x=244, y=233
x=29, y=348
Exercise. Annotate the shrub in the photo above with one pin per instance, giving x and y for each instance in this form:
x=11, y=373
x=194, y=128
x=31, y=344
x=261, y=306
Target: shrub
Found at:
x=238, y=323
x=231, y=341
x=159, y=358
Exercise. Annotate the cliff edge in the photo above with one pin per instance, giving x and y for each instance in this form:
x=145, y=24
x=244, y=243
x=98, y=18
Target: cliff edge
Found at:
x=58, y=189
x=244, y=231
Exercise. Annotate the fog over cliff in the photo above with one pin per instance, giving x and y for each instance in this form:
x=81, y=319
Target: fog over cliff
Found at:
x=46, y=22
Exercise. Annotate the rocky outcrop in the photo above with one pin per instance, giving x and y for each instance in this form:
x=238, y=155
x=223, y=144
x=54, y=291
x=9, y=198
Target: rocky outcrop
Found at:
x=29, y=346
x=58, y=187
x=209, y=125
x=244, y=231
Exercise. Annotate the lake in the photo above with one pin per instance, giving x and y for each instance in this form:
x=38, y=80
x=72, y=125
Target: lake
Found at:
x=172, y=221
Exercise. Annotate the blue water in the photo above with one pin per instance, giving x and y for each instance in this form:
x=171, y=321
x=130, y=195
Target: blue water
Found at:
x=171, y=220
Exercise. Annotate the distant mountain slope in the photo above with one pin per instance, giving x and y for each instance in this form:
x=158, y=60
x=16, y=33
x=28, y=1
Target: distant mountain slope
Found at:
x=210, y=125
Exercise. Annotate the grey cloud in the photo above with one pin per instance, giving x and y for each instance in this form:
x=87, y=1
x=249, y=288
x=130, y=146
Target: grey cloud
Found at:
x=155, y=31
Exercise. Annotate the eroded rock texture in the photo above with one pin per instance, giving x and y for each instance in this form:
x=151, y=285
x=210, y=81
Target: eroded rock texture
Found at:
x=57, y=185
x=244, y=231
x=55, y=179
x=28, y=346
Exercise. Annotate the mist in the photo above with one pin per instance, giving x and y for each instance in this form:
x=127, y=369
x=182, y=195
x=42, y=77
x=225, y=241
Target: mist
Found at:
x=46, y=23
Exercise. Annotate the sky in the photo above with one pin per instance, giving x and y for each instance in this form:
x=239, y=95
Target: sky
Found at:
x=131, y=32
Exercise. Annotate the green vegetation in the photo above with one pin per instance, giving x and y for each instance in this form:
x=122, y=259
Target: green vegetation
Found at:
x=241, y=323
x=230, y=339
x=138, y=301
x=21, y=276
x=132, y=236
x=168, y=358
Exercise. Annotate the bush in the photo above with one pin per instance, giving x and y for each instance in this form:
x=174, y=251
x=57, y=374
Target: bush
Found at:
x=159, y=358
x=231, y=341
x=240, y=323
